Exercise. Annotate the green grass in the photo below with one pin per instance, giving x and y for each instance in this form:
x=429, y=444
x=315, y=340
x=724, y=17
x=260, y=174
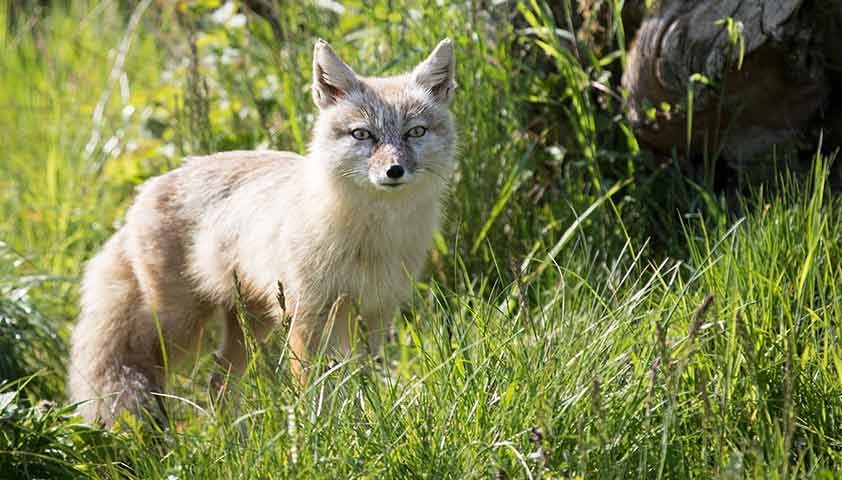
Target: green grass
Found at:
x=586, y=313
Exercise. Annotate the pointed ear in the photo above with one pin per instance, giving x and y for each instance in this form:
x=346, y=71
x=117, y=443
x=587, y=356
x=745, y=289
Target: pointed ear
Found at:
x=332, y=78
x=437, y=71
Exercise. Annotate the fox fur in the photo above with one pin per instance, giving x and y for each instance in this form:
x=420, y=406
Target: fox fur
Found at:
x=334, y=228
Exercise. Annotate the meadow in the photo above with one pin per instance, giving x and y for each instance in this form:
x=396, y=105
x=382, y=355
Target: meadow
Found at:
x=592, y=309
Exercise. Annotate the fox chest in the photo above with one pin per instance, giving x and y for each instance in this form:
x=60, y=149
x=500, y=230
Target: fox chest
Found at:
x=374, y=264
x=374, y=273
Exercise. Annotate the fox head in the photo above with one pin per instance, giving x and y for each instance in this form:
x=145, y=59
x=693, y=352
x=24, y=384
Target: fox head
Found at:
x=384, y=134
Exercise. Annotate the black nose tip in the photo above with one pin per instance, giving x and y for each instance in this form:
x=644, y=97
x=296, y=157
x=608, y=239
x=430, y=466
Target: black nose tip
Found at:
x=394, y=172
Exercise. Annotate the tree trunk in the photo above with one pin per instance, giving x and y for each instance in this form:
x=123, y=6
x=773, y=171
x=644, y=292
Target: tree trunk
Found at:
x=777, y=79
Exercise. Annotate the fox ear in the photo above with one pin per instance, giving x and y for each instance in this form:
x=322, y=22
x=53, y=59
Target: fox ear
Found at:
x=332, y=78
x=437, y=71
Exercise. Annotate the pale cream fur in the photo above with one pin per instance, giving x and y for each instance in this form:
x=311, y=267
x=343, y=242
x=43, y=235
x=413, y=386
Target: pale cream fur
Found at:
x=332, y=227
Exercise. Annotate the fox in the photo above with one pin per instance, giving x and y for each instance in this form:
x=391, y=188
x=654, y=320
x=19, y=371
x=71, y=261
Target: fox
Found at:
x=344, y=231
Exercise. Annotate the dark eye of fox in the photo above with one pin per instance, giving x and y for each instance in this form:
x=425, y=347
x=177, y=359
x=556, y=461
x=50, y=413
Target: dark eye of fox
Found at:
x=361, y=134
x=416, y=132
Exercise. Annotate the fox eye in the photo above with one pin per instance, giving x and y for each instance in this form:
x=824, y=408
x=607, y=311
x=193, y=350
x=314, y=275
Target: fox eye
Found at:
x=361, y=134
x=416, y=132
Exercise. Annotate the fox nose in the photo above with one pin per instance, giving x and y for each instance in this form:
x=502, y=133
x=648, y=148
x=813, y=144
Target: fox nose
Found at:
x=394, y=172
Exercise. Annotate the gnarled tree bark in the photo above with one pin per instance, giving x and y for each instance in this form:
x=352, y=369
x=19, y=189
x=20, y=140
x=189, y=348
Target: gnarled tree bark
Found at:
x=787, y=78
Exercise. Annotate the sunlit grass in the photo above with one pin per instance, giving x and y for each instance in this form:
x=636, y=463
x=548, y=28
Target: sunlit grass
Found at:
x=569, y=326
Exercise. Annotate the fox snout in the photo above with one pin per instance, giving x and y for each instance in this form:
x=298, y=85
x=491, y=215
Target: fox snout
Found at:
x=391, y=166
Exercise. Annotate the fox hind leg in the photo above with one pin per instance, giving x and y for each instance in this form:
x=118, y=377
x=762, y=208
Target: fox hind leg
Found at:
x=232, y=356
x=117, y=360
